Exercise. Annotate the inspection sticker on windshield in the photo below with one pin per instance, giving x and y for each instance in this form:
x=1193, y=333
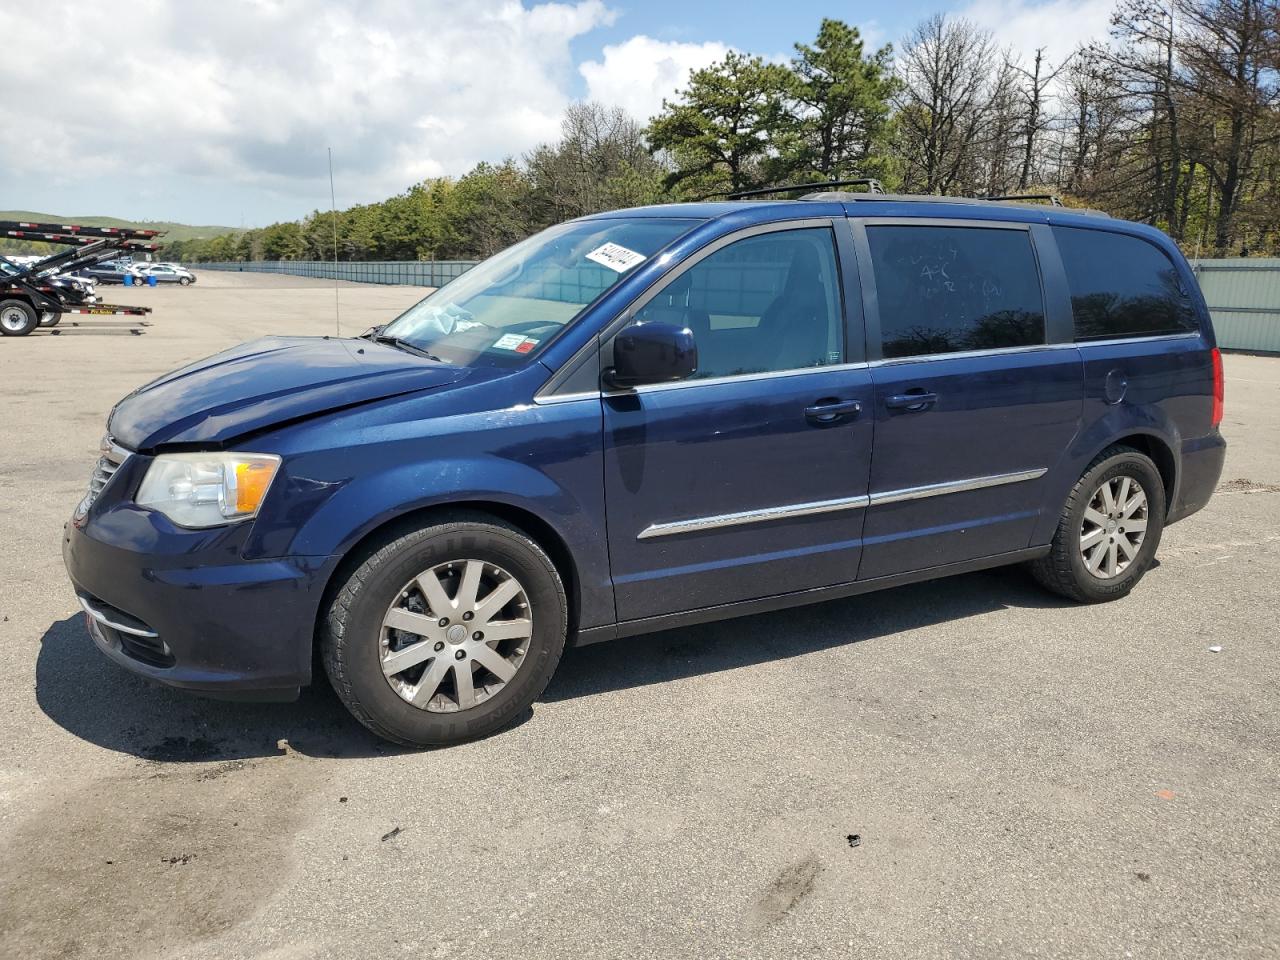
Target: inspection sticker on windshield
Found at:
x=515, y=342
x=615, y=257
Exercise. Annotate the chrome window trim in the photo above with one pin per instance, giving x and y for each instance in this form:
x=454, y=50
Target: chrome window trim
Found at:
x=1146, y=337
x=751, y=516
x=567, y=397
x=767, y=514
x=107, y=621
x=734, y=378
x=971, y=354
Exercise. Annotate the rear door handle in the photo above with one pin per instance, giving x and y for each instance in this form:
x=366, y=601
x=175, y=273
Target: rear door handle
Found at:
x=911, y=401
x=827, y=411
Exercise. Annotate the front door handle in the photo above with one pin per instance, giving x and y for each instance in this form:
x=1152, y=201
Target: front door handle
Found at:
x=827, y=411
x=913, y=402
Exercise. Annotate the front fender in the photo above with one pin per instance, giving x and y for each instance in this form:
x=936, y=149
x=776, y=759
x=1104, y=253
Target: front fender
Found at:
x=541, y=461
x=379, y=498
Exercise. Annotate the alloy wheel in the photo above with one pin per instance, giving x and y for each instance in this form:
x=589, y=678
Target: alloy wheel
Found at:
x=455, y=635
x=1114, y=526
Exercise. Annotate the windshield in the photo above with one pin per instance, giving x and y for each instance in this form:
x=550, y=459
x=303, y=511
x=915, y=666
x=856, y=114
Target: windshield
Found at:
x=504, y=310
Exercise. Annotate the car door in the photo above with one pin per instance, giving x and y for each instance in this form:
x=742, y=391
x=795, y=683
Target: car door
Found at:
x=750, y=478
x=978, y=389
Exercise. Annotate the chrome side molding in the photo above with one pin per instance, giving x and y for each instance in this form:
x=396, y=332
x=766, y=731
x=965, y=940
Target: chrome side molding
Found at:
x=831, y=506
x=752, y=516
x=956, y=486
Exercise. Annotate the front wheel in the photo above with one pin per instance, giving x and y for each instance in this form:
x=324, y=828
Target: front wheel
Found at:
x=17, y=319
x=446, y=633
x=185, y=281
x=1109, y=529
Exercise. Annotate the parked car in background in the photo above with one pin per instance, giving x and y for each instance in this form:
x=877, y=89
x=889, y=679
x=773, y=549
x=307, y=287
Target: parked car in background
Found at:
x=646, y=419
x=106, y=272
x=164, y=273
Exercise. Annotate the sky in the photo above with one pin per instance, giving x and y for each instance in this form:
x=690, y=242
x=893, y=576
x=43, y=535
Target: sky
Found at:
x=222, y=111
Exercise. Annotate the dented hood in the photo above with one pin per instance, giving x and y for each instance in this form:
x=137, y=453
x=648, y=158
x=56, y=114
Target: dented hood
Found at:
x=267, y=382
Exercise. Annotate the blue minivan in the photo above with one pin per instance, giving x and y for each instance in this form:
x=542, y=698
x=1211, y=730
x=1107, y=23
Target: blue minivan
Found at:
x=645, y=419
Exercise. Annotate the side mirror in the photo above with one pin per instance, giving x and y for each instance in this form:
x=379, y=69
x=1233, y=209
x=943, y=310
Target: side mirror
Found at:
x=652, y=353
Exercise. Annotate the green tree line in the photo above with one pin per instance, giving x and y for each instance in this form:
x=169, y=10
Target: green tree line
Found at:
x=1172, y=120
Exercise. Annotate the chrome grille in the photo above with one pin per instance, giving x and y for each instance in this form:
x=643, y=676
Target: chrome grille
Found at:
x=111, y=457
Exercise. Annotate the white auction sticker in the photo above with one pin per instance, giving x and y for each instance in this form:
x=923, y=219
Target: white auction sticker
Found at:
x=515, y=342
x=615, y=257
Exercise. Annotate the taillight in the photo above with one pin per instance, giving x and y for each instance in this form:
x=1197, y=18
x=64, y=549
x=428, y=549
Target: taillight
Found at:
x=1218, y=390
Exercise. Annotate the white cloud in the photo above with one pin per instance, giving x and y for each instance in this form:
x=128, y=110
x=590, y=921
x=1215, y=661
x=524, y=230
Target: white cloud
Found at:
x=638, y=73
x=250, y=92
x=1057, y=25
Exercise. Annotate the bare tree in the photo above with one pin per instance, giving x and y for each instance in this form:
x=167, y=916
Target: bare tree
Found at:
x=601, y=161
x=1036, y=83
x=1144, y=60
x=945, y=106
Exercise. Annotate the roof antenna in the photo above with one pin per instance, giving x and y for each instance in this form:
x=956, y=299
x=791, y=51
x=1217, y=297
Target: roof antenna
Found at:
x=333, y=205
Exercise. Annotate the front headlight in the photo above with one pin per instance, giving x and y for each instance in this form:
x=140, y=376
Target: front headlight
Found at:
x=208, y=489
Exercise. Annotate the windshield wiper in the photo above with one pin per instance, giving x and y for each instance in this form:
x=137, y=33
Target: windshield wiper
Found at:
x=405, y=345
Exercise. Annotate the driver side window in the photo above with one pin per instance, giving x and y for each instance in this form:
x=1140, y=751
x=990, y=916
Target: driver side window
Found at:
x=765, y=303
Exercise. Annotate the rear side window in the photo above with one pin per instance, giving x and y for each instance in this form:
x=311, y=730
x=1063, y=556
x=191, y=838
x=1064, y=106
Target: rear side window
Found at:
x=1122, y=286
x=947, y=289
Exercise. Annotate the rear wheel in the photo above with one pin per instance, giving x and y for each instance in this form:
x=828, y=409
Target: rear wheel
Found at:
x=17, y=319
x=49, y=318
x=1109, y=530
x=446, y=633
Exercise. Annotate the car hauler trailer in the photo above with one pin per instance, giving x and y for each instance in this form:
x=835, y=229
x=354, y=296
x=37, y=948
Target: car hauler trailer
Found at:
x=29, y=299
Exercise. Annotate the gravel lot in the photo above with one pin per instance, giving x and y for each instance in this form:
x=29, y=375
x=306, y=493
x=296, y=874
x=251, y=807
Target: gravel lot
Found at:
x=1025, y=777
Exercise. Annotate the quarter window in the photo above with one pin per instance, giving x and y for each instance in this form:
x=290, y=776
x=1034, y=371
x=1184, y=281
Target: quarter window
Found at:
x=1122, y=286
x=765, y=303
x=947, y=289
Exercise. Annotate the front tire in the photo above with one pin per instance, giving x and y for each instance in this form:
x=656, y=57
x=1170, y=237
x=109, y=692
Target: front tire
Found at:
x=446, y=633
x=17, y=319
x=1109, y=530
x=185, y=281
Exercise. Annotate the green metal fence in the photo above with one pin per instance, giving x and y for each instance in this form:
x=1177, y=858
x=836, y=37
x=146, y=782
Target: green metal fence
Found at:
x=419, y=273
x=1244, y=298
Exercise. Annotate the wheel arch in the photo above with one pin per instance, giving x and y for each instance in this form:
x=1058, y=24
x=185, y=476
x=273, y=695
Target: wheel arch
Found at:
x=1157, y=449
x=1158, y=445
x=527, y=522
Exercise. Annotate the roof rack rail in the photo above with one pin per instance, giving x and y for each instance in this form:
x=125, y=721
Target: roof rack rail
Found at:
x=873, y=186
x=1052, y=198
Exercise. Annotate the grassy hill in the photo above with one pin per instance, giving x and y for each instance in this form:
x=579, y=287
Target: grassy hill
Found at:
x=173, y=231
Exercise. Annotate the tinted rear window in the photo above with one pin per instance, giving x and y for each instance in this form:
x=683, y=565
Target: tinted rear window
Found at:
x=1122, y=286
x=946, y=289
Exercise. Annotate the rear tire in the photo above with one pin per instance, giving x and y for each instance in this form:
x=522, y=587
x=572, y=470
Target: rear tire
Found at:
x=49, y=318
x=1109, y=530
x=452, y=683
x=17, y=319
